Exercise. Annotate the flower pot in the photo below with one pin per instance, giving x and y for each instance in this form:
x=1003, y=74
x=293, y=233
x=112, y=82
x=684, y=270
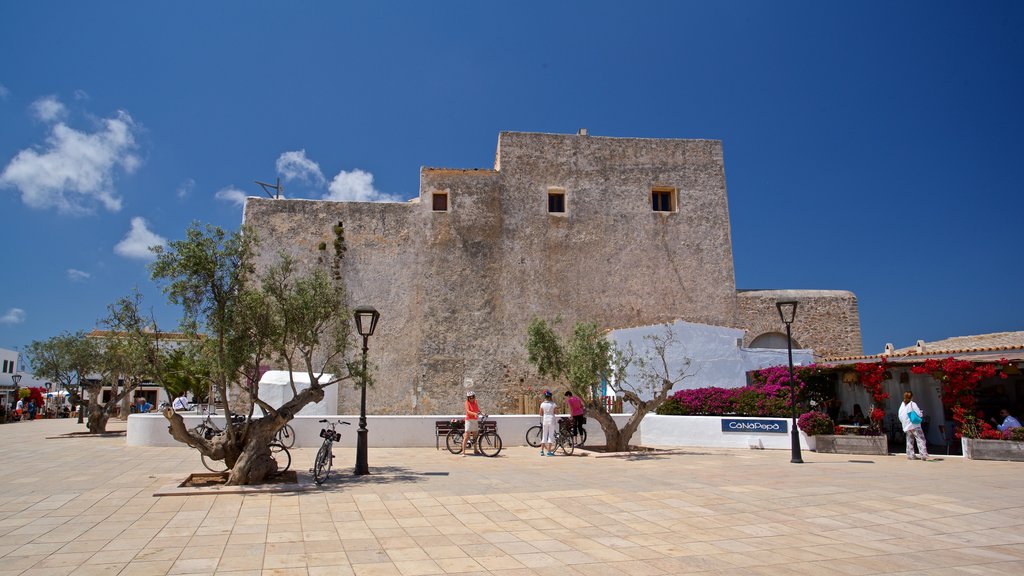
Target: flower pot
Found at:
x=846, y=444
x=978, y=449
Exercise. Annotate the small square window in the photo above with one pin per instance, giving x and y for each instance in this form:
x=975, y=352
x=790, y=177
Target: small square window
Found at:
x=556, y=201
x=440, y=201
x=663, y=199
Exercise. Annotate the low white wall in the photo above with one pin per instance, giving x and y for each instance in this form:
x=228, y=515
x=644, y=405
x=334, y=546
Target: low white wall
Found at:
x=413, y=431
x=383, y=431
x=706, y=432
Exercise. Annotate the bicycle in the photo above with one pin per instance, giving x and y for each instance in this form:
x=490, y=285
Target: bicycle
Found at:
x=487, y=442
x=534, y=433
x=321, y=469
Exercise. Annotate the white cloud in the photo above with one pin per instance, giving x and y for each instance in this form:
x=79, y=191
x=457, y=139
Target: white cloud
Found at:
x=356, y=186
x=49, y=109
x=81, y=95
x=185, y=188
x=136, y=243
x=75, y=170
x=231, y=194
x=13, y=316
x=4, y=92
x=295, y=166
x=78, y=275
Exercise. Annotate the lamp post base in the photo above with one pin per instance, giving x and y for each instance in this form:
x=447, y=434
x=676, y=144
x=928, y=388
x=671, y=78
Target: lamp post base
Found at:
x=362, y=466
x=796, y=457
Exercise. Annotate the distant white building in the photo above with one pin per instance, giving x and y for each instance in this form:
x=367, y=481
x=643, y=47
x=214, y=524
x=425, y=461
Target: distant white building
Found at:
x=11, y=366
x=716, y=354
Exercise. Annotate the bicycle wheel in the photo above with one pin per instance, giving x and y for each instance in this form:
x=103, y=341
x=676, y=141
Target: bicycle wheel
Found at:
x=581, y=438
x=454, y=441
x=213, y=465
x=322, y=464
x=286, y=436
x=281, y=455
x=489, y=443
x=533, y=435
x=565, y=444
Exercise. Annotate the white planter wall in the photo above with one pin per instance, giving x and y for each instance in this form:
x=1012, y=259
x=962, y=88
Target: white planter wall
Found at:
x=418, y=431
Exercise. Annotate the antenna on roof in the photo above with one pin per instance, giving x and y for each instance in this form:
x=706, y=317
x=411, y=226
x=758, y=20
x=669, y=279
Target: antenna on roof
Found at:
x=277, y=188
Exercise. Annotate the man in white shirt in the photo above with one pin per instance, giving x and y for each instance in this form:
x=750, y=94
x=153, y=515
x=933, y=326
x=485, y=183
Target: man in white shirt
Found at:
x=180, y=403
x=1008, y=421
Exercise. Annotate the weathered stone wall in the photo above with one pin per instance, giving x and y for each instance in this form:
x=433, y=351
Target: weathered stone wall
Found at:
x=457, y=289
x=826, y=320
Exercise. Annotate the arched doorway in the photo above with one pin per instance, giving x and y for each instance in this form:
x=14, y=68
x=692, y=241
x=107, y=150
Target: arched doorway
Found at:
x=773, y=340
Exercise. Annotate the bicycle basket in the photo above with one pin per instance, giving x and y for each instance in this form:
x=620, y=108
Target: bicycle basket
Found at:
x=328, y=433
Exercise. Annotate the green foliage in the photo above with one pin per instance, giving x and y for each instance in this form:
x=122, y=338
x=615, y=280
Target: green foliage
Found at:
x=183, y=371
x=753, y=401
x=582, y=362
x=544, y=347
x=672, y=407
x=816, y=423
x=588, y=359
x=64, y=359
x=206, y=274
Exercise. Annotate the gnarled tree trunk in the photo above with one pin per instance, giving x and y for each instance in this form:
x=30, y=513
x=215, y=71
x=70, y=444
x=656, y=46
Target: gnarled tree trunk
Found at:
x=248, y=457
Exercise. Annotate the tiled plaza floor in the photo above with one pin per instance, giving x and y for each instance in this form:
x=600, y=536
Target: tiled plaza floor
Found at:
x=86, y=506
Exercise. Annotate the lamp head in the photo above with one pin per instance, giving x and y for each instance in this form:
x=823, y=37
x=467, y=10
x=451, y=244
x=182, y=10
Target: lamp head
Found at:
x=16, y=378
x=366, y=320
x=787, y=311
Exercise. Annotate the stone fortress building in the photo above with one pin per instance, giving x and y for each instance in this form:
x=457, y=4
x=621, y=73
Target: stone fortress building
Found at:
x=618, y=231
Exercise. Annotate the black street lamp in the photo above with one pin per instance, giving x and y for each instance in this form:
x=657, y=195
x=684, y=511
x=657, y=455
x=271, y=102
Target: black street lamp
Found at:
x=787, y=311
x=15, y=378
x=366, y=322
x=82, y=385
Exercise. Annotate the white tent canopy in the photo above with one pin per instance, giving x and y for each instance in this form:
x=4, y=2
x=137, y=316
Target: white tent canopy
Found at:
x=275, y=389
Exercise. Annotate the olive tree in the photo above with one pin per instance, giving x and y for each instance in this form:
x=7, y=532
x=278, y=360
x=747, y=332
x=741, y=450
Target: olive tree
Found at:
x=122, y=358
x=590, y=358
x=288, y=315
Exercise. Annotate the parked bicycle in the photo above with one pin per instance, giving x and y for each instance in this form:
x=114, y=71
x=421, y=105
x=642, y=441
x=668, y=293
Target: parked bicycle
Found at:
x=325, y=456
x=534, y=433
x=487, y=442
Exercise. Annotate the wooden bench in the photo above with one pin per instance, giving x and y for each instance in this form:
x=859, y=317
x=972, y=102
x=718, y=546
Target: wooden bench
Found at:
x=443, y=427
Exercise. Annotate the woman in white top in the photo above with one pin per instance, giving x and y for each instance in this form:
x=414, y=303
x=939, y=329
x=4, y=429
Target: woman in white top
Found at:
x=912, y=430
x=547, y=415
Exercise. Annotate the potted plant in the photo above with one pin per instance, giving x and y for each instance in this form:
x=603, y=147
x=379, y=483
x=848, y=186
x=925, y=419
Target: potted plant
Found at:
x=830, y=439
x=982, y=442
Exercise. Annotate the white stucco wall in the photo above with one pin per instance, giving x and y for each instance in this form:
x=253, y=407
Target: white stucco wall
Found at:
x=276, y=390
x=383, y=431
x=717, y=356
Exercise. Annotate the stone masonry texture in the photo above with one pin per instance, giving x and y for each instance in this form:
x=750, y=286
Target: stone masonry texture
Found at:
x=456, y=289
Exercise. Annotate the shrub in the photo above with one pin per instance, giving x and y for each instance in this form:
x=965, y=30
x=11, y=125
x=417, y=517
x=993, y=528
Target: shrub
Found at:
x=712, y=401
x=757, y=401
x=991, y=434
x=1014, y=434
x=815, y=423
x=671, y=407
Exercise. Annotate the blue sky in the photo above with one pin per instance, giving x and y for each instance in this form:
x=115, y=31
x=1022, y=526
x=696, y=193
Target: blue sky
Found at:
x=869, y=146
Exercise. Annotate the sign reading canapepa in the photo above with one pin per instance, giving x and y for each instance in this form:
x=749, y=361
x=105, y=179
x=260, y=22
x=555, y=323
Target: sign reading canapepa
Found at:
x=748, y=426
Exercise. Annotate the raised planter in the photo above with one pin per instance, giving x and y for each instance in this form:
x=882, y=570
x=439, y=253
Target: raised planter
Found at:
x=978, y=449
x=848, y=444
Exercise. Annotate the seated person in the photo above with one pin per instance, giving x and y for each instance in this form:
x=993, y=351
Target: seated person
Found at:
x=1008, y=421
x=180, y=403
x=141, y=406
x=858, y=417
